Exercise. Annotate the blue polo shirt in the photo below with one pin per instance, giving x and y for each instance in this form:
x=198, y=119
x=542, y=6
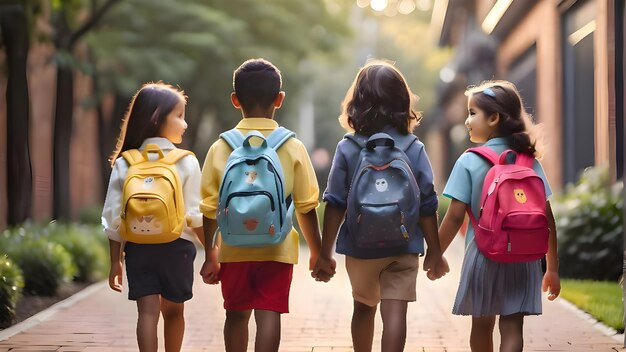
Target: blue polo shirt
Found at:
x=336, y=193
x=465, y=183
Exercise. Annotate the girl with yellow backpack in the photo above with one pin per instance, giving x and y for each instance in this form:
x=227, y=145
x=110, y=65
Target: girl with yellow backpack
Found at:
x=151, y=213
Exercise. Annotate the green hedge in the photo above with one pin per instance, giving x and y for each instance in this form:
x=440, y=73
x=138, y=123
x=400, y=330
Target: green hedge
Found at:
x=45, y=265
x=11, y=284
x=54, y=253
x=88, y=251
x=589, y=221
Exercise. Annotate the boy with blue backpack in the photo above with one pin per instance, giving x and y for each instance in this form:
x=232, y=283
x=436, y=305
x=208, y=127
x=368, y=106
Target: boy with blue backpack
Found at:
x=249, y=191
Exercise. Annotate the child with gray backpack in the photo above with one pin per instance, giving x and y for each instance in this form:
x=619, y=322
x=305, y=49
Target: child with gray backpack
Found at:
x=381, y=205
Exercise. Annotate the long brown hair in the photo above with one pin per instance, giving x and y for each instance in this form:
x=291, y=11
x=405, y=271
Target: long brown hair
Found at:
x=502, y=97
x=146, y=115
x=379, y=97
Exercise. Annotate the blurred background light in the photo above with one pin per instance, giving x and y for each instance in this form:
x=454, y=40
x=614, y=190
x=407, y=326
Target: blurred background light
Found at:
x=494, y=15
x=405, y=7
x=363, y=3
x=378, y=5
x=392, y=8
x=424, y=5
x=580, y=34
x=447, y=74
x=458, y=133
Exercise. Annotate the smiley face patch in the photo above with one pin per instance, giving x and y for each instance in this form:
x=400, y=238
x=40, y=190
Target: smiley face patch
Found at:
x=520, y=196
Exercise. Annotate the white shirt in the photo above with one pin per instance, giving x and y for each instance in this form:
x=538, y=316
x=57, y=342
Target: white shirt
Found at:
x=189, y=173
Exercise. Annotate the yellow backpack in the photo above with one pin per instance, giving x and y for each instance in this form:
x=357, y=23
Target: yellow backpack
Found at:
x=153, y=209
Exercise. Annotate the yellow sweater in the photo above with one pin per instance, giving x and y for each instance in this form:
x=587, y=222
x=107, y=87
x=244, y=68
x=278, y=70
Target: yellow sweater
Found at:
x=296, y=166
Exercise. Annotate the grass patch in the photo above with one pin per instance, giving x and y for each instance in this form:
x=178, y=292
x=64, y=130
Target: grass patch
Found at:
x=601, y=299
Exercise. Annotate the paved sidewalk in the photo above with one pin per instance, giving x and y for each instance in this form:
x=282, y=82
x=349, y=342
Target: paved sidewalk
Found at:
x=102, y=320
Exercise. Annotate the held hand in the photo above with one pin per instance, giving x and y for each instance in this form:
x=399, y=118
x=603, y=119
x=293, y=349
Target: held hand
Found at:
x=210, y=272
x=551, y=284
x=115, y=276
x=440, y=270
x=313, y=258
x=432, y=258
x=324, y=269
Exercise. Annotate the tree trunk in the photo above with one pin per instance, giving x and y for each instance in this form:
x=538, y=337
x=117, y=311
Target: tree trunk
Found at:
x=62, y=139
x=108, y=131
x=63, y=115
x=14, y=31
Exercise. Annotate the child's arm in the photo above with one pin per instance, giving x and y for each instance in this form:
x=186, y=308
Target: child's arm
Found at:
x=116, y=271
x=311, y=231
x=326, y=265
x=551, y=281
x=452, y=221
x=199, y=231
x=211, y=267
x=433, y=253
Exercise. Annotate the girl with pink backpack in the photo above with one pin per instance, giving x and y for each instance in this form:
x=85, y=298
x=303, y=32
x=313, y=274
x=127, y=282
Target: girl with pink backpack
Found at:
x=508, y=286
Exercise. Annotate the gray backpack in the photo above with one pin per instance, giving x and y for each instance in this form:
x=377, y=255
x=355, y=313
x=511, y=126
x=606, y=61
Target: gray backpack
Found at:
x=384, y=197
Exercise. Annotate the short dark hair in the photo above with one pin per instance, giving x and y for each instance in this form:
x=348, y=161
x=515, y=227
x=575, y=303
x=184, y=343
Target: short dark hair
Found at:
x=256, y=82
x=146, y=115
x=379, y=97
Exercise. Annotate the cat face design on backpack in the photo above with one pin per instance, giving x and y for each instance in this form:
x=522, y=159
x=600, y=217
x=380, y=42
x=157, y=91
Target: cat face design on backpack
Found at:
x=250, y=176
x=381, y=185
x=520, y=195
x=146, y=225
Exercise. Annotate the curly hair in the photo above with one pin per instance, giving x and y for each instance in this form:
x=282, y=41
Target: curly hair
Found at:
x=379, y=97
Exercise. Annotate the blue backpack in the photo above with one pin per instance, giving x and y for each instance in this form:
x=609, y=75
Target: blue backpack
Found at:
x=384, y=197
x=253, y=210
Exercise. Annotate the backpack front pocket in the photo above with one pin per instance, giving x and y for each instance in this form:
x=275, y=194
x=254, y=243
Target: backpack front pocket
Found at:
x=527, y=234
x=250, y=213
x=147, y=215
x=381, y=226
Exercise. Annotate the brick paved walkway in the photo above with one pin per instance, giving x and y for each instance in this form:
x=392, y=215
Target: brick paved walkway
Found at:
x=319, y=320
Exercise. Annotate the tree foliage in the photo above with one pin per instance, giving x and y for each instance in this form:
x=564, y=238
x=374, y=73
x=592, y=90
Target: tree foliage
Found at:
x=197, y=45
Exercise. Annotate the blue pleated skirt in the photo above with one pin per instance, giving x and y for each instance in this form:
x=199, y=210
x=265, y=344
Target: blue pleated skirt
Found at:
x=491, y=288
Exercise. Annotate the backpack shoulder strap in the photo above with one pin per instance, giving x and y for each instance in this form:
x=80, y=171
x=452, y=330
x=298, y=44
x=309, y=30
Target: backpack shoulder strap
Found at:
x=357, y=139
x=133, y=156
x=174, y=155
x=487, y=153
x=405, y=142
x=233, y=137
x=278, y=137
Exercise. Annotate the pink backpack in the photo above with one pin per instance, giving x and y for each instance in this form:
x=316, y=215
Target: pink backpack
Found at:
x=512, y=225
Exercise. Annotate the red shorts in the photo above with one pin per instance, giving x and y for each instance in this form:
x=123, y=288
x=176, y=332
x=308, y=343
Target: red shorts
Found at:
x=256, y=285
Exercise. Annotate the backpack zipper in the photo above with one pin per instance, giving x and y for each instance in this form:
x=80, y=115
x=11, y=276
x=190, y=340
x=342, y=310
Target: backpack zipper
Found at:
x=265, y=193
x=494, y=184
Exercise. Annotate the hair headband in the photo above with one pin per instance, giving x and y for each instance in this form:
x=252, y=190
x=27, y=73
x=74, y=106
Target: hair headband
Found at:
x=489, y=92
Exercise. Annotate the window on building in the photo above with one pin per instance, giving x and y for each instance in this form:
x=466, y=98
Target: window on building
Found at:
x=523, y=72
x=578, y=88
